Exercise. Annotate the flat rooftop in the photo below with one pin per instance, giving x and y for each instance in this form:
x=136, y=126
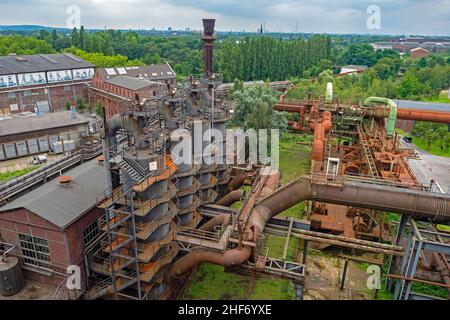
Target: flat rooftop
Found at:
x=13, y=64
x=31, y=122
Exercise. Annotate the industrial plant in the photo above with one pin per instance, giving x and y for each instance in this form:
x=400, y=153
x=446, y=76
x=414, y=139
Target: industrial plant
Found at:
x=138, y=222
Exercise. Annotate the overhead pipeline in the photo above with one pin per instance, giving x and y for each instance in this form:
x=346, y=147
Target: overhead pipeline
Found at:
x=417, y=204
x=392, y=117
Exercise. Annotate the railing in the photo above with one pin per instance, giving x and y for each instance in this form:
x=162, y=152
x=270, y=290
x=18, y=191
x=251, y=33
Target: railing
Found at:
x=145, y=229
x=6, y=244
x=203, y=234
x=147, y=275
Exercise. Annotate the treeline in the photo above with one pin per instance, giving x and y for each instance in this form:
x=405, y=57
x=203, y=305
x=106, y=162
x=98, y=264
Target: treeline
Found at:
x=183, y=53
x=265, y=58
x=23, y=45
x=391, y=77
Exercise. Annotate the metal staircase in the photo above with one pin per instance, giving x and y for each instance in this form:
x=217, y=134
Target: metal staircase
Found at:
x=368, y=154
x=123, y=260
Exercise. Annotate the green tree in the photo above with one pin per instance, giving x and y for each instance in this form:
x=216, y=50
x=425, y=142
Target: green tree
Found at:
x=75, y=38
x=82, y=39
x=54, y=38
x=80, y=104
x=359, y=54
x=254, y=109
x=99, y=110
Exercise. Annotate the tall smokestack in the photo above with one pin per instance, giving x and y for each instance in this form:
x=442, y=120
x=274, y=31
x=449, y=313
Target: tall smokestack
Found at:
x=208, y=44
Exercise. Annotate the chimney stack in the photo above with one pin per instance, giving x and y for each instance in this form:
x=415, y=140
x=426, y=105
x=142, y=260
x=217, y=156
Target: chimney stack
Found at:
x=208, y=44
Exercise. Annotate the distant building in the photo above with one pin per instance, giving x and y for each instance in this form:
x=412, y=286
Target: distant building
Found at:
x=351, y=69
x=27, y=133
x=114, y=88
x=418, y=53
x=382, y=45
x=53, y=225
x=43, y=83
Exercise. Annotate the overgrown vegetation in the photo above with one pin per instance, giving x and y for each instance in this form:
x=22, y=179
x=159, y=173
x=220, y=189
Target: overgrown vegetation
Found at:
x=391, y=77
x=210, y=282
x=15, y=174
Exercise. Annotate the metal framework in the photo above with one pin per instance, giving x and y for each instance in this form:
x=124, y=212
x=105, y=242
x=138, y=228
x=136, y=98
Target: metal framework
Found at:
x=420, y=237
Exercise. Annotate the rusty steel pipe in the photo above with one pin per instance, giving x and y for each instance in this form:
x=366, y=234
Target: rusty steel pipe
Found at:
x=230, y=198
x=320, y=130
x=256, y=223
x=236, y=182
x=415, y=203
x=411, y=114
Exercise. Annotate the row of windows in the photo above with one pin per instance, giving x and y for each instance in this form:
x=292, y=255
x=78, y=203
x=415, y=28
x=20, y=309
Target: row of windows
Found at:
x=29, y=93
x=36, y=253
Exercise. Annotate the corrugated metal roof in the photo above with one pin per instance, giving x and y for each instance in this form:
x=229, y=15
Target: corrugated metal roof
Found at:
x=130, y=82
x=40, y=63
x=63, y=204
x=18, y=124
x=422, y=105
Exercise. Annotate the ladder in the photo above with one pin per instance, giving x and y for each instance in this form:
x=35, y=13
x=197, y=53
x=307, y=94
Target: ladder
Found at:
x=368, y=154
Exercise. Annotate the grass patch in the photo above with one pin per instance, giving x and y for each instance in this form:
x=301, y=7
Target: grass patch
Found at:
x=431, y=148
x=14, y=174
x=443, y=228
x=210, y=282
x=429, y=290
x=294, y=161
x=273, y=289
x=275, y=244
x=442, y=98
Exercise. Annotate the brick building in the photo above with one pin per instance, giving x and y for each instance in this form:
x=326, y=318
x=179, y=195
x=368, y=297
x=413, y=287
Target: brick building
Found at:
x=44, y=82
x=114, y=88
x=52, y=225
x=418, y=53
x=27, y=133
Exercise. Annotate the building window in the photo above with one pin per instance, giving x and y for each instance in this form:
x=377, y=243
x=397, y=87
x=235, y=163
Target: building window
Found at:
x=67, y=88
x=27, y=93
x=35, y=251
x=11, y=95
x=90, y=234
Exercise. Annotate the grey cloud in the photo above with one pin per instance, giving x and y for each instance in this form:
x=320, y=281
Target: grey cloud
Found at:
x=334, y=16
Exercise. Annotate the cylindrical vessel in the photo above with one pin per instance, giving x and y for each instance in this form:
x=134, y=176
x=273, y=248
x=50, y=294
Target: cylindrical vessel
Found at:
x=11, y=277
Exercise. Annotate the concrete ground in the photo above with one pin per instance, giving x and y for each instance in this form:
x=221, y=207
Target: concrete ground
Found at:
x=33, y=291
x=430, y=167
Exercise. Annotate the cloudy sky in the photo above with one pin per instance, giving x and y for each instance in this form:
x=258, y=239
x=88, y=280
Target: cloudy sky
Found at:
x=428, y=17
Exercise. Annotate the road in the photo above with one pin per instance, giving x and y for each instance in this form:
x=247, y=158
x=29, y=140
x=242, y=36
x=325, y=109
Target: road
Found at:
x=430, y=167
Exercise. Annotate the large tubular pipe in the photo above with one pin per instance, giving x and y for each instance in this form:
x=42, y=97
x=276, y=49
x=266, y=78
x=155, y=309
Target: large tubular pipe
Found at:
x=230, y=198
x=413, y=114
x=236, y=182
x=320, y=129
x=392, y=117
x=255, y=225
x=415, y=203
x=418, y=204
